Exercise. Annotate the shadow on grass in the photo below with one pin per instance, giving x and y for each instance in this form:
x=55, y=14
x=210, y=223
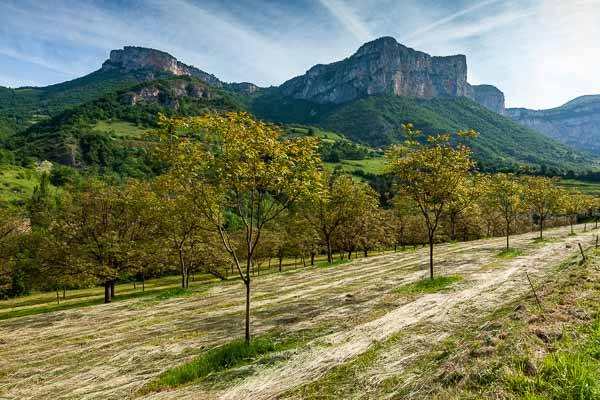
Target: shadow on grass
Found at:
x=159, y=294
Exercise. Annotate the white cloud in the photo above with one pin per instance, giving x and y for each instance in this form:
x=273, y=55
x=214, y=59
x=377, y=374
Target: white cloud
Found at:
x=348, y=19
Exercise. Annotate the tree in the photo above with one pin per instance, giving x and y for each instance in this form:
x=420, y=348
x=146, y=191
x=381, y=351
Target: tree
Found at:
x=404, y=208
x=244, y=176
x=464, y=199
x=335, y=206
x=100, y=229
x=505, y=194
x=185, y=230
x=431, y=174
x=573, y=203
x=542, y=197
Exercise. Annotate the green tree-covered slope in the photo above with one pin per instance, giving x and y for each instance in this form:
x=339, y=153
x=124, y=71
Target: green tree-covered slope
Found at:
x=377, y=120
x=75, y=137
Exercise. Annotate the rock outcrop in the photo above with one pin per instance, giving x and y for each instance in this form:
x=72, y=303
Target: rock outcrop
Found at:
x=383, y=66
x=132, y=58
x=167, y=94
x=490, y=97
x=576, y=123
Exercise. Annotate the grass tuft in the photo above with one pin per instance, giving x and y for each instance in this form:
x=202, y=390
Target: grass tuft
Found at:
x=230, y=355
x=429, y=285
x=510, y=253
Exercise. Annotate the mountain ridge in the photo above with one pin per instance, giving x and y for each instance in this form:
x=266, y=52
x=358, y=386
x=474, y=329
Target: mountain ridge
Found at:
x=575, y=123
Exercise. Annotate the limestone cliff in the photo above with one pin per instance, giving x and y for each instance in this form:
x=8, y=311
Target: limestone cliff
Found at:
x=383, y=66
x=490, y=97
x=132, y=58
x=576, y=123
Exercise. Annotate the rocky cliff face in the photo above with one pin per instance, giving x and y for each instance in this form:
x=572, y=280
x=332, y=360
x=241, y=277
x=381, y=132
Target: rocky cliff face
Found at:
x=576, y=123
x=383, y=66
x=168, y=94
x=490, y=97
x=132, y=58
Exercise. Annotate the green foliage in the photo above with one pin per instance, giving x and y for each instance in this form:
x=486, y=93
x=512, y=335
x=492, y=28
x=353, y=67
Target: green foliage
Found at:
x=377, y=120
x=77, y=136
x=230, y=355
x=429, y=285
x=510, y=253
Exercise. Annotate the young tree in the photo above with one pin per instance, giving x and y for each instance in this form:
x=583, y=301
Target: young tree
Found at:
x=542, y=197
x=404, y=208
x=238, y=165
x=185, y=230
x=574, y=203
x=431, y=175
x=339, y=202
x=463, y=200
x=505, y=194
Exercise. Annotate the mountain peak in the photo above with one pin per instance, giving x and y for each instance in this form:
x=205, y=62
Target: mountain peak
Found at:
x=135, y=58
x=383, y=66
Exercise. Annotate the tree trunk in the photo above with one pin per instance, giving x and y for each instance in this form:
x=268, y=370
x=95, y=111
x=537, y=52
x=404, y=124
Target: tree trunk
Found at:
x=541, y=228
x=112, y=289
x=247, y=282
x=182, y=266
x=366, y=251
x=431, y=256
x=349, y=254
x=571, y=222
x=57, y=297
x=507, y=236
x=329, y=251
x=312, y=258
x=187, y=280
x=280, y=261
x=303, y=261
x=106, y=292
x=64, y=293
x=143, y=283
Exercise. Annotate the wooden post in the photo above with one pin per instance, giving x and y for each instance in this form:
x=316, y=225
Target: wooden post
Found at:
x=537, y=299
x=581, y=250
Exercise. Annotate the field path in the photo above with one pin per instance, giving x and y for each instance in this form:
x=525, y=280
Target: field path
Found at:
x=110, y=351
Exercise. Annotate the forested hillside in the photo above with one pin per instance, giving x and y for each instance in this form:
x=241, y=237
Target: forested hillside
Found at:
x=377, y=120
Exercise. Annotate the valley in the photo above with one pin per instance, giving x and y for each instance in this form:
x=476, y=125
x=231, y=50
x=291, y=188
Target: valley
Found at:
x=286, y=200
x=344, y=312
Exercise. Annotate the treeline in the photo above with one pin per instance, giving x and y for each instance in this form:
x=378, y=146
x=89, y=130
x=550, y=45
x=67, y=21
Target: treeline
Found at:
x=234, y=197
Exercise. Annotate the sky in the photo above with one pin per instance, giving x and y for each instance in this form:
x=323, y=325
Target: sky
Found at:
x=540, y=53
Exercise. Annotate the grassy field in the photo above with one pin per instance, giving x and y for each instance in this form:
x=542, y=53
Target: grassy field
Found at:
x=592, y=188
x=347, y=330
x=371, y=165
x=16, y=184
x=121, y=129
x=165, y=287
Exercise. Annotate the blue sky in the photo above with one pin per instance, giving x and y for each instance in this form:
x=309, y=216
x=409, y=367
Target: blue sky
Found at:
x=541, y=53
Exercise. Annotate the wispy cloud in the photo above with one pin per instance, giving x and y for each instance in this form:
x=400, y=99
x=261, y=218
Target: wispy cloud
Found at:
x=348, y=19
x=447, y=19
x=540, y=52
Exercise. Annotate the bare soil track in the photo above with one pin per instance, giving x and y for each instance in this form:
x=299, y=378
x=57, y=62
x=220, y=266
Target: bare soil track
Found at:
x=110, y=351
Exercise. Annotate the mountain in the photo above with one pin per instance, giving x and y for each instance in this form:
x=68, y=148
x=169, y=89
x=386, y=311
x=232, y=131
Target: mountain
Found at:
x=99, y=119
x=490, y=97
x=108, y=132
x=384, y=66
x=376, y=120
x=23, y=107
x=576, y=123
